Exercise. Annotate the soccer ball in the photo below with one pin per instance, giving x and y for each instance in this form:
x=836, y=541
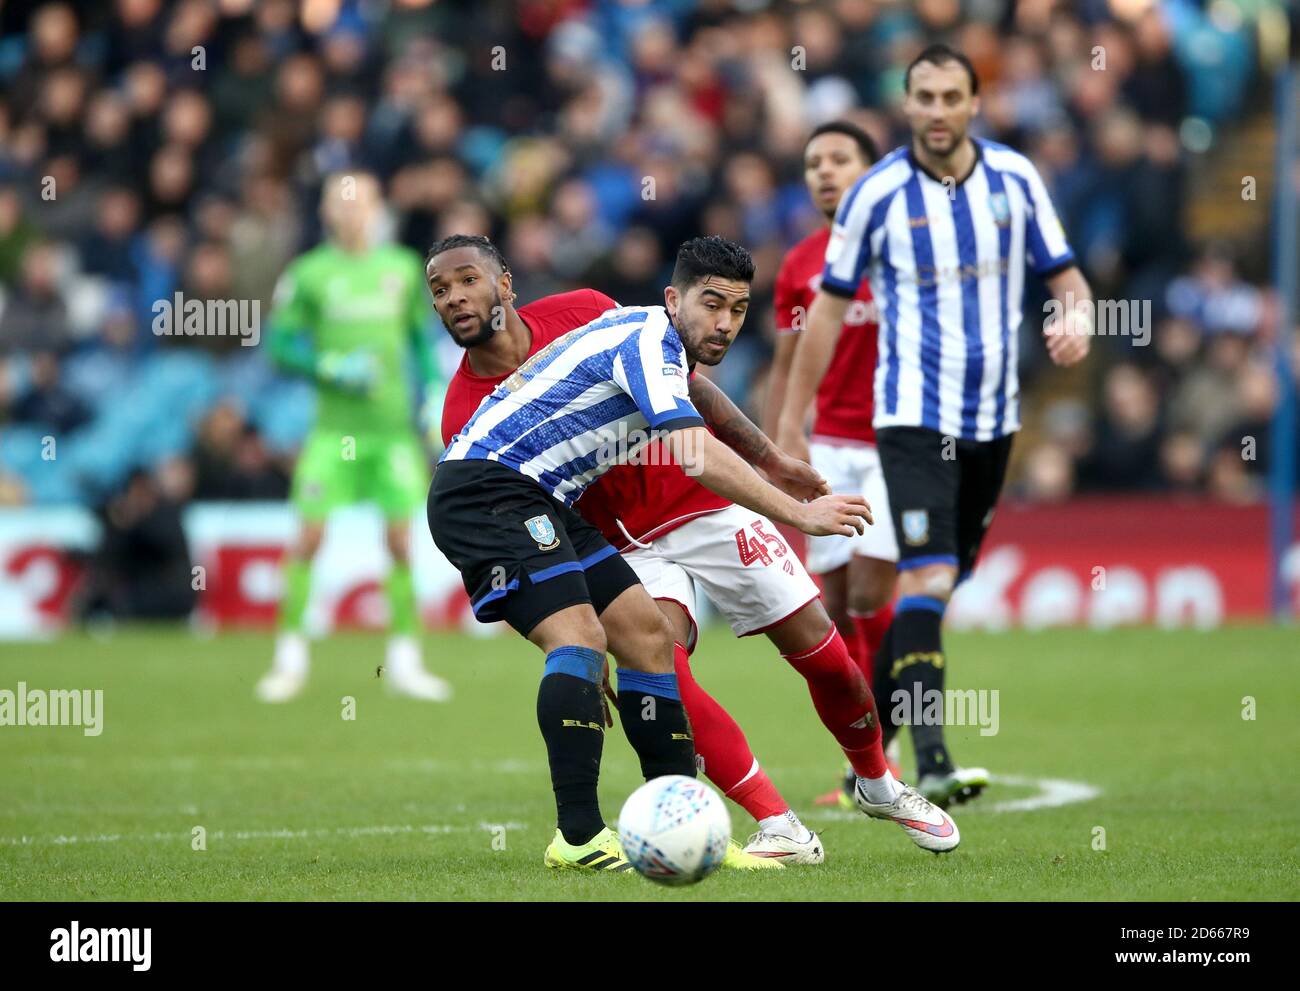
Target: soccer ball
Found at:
x=674, y=829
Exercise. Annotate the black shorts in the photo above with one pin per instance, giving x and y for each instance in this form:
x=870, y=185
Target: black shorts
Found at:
x=522, y=554
x=942, y=493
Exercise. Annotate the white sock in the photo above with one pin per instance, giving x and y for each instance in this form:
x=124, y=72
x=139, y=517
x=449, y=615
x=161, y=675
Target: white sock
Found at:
x=786, y=824
x=291, y=653
x=881, y=790
x=403, y=656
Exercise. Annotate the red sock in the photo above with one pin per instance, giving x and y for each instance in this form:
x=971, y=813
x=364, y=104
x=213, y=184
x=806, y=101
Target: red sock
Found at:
x=719, y=742
x=857, y=646
x=842, y=697
x=871, y=632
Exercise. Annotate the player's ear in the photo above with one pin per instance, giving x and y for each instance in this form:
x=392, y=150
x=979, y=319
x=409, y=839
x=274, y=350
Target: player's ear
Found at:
x=671, y=299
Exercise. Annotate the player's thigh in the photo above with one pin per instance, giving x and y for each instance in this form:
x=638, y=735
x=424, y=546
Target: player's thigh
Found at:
x=983, y=470
x=744, y=566
x=921, y=477
x=671, y=587
x=326, y=476
x=397, y=475
x=507, y=537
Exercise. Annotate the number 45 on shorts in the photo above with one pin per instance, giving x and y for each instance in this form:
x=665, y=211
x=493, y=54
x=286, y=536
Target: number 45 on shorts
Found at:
x=761, y=546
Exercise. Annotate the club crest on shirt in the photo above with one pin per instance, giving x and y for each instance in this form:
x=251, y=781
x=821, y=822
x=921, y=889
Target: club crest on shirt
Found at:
x=542, y=530
x=1001, y=208
x=916, y=527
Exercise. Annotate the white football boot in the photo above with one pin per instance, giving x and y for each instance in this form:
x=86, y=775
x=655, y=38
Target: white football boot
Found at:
x=788, y=851
x=288, y=674
x=927, y=825
x=405, y=674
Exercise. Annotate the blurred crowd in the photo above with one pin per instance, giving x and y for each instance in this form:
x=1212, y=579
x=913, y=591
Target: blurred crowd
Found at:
x=148, y=148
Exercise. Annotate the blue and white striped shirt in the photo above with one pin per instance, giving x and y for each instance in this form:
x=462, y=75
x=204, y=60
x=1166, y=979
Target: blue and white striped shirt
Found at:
x=583, y=402
x=947, y=269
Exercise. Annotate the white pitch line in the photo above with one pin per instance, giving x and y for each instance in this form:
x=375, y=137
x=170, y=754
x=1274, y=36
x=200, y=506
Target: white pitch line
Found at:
x=257, y=834
x=1052, y=793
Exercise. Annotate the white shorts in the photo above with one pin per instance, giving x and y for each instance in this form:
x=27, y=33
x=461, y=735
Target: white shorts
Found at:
x=738, y=559
x=853, y=470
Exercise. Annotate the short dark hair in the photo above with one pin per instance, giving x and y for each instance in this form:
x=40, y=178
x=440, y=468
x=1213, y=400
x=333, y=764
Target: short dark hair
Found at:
x=701, y=257
x=941, y=55
x=866, y=147
x=483, y=244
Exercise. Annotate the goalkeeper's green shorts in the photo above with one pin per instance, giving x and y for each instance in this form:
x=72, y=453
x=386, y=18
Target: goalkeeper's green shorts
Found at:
x=334, y=470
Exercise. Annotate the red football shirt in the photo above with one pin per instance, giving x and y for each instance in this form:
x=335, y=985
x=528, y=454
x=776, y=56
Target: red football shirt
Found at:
x=844, y=398
x=548, y=318
x=649, y=499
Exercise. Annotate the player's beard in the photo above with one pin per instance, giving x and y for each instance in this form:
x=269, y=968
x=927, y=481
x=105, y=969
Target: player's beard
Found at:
x=956, y=138
x=696, y=352
x=486, y=328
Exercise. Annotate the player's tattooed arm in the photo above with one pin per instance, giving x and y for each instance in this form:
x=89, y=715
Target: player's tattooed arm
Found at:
x=742, y=435
x=717, y=467
x=730, y=425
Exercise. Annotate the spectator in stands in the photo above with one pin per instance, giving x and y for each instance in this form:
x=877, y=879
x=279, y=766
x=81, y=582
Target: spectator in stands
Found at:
x=142, y=568
x=1125, y=456
x=35, y=315
x=47, y=401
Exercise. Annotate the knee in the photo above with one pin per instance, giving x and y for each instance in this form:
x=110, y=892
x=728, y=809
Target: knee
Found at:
x=309, y=540
x=934, y=580
x=580, y=632
x=867, y=596
x=398, y=543
x=649, y=647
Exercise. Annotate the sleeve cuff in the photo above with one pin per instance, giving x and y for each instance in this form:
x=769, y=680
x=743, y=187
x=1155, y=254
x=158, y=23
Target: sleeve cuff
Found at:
x=836, y=288
x=1057, y=267
x=677, y=423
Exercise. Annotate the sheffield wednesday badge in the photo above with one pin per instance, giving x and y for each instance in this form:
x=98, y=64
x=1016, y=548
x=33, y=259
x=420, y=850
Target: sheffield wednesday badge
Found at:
x=1001, y=208
x=916, y=527
x=542, y=530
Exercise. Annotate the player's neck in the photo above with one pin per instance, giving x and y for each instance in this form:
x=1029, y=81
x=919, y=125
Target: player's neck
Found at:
x=505, y=351
x=355, y=246
x=957, y=164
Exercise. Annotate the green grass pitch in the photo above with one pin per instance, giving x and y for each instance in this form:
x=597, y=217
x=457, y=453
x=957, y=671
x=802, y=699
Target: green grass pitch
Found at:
x=416, y=801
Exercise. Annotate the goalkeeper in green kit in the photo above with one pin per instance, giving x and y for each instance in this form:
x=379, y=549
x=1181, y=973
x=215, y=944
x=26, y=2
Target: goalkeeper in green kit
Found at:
x=347, y=314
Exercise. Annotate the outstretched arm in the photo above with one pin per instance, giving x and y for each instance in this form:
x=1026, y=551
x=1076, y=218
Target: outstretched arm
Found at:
x=731, y=426
x=718, y=468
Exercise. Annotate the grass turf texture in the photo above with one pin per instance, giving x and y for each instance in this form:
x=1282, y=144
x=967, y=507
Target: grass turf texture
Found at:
x=416, y=801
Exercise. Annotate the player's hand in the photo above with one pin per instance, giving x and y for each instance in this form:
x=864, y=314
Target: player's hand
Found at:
x=608, y=694
x=845, y=515
x=791, y=439
x=1068, y=338
x=796, y=478
x=350, y=371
